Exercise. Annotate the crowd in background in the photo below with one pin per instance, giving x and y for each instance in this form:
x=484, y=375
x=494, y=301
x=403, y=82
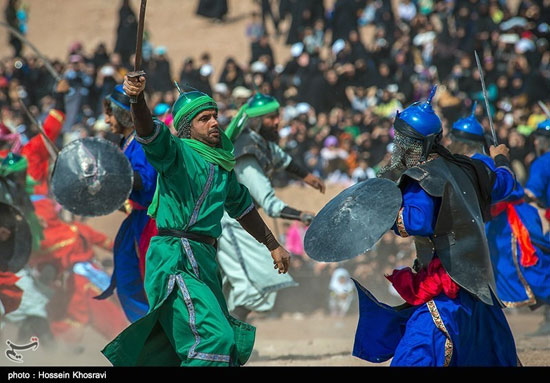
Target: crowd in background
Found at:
x=353, y=65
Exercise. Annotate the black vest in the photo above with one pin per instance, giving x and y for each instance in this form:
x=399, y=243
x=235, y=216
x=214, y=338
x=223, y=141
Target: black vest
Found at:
x=250, y=143
x=459, y=236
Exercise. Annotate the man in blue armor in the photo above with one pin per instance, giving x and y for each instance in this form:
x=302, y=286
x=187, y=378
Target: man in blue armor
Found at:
x=520, y=252
x=537, y=189
x=451, y=315
x=129, y=248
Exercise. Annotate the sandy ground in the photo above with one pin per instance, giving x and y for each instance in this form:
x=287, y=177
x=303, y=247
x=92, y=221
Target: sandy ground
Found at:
x=55, y=24
x=292, y=339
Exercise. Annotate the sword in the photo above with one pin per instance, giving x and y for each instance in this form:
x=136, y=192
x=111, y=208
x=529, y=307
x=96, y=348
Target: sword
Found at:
x=486, y=98
x=139, y=44
x=42, y=57
x=50, y=146
x=544, y=108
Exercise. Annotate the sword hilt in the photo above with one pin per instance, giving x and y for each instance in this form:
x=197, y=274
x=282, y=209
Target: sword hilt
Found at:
x=135, y=74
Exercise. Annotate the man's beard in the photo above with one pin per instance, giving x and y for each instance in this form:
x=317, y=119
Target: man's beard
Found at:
x=269, y=134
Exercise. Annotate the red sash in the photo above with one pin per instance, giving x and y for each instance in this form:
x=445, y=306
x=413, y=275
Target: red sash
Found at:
x=528, y=253
x=419, y=288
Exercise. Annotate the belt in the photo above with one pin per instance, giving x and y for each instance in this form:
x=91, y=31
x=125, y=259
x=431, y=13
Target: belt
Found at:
x=192, y=236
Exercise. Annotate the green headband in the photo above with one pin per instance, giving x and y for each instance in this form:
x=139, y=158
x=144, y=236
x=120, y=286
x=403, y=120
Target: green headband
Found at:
x=190, y=104
x=13, y=164
x=261, y=104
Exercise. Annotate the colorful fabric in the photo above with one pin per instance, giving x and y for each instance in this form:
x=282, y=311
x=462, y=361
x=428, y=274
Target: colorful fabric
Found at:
x=65, y=244
x=223, y=156
x=75, y=308
x=520, y=232
x=10, y=294
x=441, y=332
x=37, y=154
x=188, y=322
x=539, y=179
x=518, y=285
x=237, y=124
x=127, y=276
x=451, y=328
x=13, y=163
x=421, y=287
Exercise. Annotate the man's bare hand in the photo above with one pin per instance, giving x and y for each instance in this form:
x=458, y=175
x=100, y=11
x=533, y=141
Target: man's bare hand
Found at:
x=281, y=259
x=315, y=182
x=134, y=86
x=62, y=86
x=501, y=149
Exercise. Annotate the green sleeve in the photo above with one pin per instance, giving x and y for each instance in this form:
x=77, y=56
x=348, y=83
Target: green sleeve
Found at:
x=163, y=150
x=238, y=201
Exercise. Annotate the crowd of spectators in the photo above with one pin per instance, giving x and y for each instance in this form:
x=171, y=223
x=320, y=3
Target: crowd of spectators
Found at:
x=353, y=65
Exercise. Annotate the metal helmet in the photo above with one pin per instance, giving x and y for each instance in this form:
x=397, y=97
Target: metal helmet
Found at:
x=419, y=122
x=469, y=128
x=543, y=128
x=92, y=177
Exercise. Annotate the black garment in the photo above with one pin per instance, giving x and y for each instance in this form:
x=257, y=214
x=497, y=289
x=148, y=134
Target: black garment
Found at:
x=303, y=13
x=11, y=18
x=344, y=19
x=258, y=50
x=190, y=77
x=213, y=9
x=268, y=12
x=160, y=77
x=126, y=33
x=232, y=78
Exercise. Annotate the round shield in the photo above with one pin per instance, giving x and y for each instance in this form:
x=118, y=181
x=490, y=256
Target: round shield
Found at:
x=92, y=177
x=15, y=239
x=353, y=221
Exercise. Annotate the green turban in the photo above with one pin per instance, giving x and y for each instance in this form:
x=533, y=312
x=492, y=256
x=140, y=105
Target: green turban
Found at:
x=13, y=163
x=188, y=105
x=257, y=106
x=261, y=104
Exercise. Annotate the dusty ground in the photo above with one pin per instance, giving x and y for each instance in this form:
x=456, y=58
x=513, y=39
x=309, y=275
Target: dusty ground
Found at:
x=55, y=24
x=293, y=339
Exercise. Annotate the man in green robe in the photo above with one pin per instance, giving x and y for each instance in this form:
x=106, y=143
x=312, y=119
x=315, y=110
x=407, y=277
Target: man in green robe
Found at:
x=188, y=323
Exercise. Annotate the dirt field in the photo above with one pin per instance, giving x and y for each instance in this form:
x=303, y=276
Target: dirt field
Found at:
x=55, y=24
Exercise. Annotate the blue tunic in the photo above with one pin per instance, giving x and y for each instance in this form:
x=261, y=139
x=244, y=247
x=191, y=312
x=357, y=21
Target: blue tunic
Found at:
x=539, y=179
x=442, y=332
x=518, y=285
x=126, y=274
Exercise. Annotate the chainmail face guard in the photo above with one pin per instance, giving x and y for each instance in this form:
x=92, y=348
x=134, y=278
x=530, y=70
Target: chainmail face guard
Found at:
x=406, y=153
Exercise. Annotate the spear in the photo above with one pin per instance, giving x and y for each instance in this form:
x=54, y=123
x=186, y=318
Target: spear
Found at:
x=544, y=108
x=486, y=98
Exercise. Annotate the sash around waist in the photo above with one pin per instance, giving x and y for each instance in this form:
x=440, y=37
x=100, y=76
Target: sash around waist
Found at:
x=185, y=234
